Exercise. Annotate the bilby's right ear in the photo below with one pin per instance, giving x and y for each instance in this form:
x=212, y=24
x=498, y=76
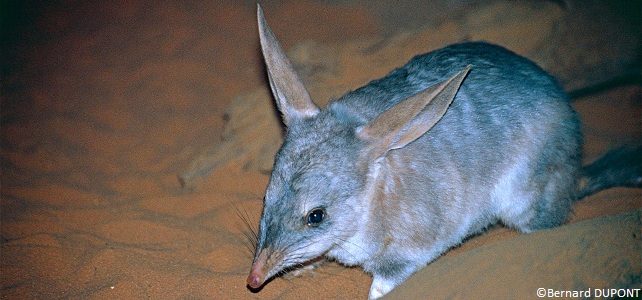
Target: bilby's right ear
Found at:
x=292, y=99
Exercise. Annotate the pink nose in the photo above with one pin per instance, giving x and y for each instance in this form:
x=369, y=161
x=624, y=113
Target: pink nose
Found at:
x=254, y=280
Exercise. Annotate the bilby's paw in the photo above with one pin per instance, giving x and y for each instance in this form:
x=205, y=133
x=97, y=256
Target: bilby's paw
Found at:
x=380, y=287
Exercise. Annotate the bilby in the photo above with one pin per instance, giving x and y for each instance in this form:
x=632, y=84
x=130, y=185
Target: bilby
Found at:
x=393, y=174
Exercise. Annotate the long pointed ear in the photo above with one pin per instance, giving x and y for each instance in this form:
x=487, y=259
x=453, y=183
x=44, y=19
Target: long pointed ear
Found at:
x=292, y=98
x=412, y=117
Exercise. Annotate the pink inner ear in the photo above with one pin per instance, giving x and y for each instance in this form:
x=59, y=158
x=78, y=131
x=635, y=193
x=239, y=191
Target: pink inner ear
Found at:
x=290, y=94
x=412, y=117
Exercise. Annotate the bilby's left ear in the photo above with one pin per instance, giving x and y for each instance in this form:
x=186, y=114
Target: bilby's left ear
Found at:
x=412, y=117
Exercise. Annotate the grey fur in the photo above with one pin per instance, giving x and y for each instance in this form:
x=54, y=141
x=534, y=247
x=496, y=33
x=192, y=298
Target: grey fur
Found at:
x=508, y=149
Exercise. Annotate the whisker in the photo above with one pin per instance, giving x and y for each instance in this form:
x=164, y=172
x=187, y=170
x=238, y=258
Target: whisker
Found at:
x=351, y=243
x=250, y=232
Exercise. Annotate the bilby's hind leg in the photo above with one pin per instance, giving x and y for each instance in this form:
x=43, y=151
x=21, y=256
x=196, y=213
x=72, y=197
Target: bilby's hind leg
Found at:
x=546, y=198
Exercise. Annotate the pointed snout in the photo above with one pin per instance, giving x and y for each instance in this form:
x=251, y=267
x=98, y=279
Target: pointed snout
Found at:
x=257, y=274
x=255, y=280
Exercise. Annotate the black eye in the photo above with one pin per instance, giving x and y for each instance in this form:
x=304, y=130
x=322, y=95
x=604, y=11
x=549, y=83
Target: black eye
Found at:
x=315, y=216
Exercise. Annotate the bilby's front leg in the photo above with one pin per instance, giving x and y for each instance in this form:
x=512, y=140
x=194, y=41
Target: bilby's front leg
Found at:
x=387, y=278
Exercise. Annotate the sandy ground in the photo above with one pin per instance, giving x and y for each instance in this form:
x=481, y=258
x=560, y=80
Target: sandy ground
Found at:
x=105, y=104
